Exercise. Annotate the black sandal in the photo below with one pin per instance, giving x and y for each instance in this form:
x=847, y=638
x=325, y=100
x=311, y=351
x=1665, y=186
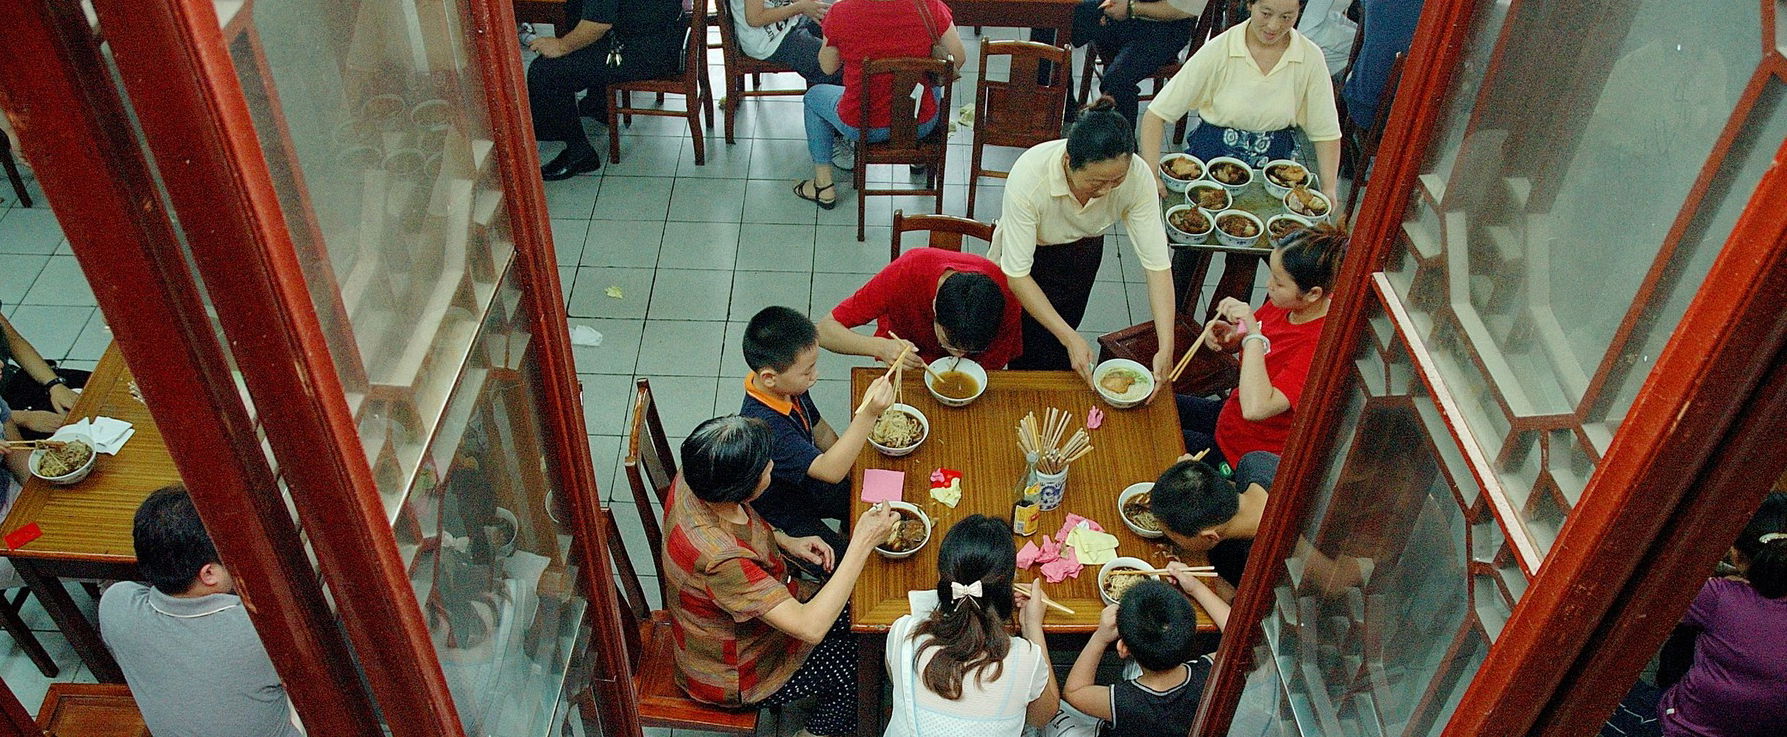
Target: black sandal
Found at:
x=824, y=205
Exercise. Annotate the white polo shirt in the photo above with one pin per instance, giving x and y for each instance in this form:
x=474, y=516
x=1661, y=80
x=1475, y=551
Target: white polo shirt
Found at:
x=1040, y=210
x=1224, y=84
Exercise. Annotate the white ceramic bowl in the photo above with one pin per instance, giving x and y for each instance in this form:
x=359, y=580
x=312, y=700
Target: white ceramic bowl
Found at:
x=1284, y=217
x=1297, y=209
x=1234, y=241
x=73, y=477
x=1231, y=160
x=1119, y=563
x=1175, y=184
x=965, y=365
x=924, y=431
x=1123, y=497
x=1184, y=237
x=1136, y=394
x=1228, y=199
x=912, y=509
x=1278, y=190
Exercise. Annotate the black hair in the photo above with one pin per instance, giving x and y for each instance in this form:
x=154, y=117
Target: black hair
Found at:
x=171, y=543
x=1100, y=134
x=776, y=336
x=970, y=633
x=1312, y=255
x=1191, y=497
x=724, y=458
x=1302, y=5
x=1768, y=560
x=1157, y=624
x=970, y=308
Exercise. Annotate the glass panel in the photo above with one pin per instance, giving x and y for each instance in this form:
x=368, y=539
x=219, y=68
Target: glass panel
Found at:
x=1541, y=217
x=373, y=126
x=1372, y=631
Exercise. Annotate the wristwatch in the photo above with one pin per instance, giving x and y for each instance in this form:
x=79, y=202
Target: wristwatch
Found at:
x=58, y=381
x=1265, y=342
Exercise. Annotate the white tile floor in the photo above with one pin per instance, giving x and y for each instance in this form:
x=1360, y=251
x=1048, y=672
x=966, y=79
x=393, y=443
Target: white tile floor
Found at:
x=694, y=250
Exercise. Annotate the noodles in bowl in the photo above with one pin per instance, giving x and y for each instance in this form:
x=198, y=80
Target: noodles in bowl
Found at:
x=899, y=430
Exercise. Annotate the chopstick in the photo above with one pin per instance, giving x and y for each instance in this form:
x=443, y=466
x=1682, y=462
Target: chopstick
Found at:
x=42, y=443
x=1195, y=571
x=890, y=373
x=1185, y=360
x=928, y=371
x=1025, y=590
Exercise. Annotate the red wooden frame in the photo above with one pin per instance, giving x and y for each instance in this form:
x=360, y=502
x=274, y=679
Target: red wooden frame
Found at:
x=73, y=126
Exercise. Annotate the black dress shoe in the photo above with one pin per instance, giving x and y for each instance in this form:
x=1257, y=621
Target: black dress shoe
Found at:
x=568, y=164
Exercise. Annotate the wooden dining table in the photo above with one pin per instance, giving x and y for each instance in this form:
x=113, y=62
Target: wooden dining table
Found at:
x=980, y=442
x=86, y=526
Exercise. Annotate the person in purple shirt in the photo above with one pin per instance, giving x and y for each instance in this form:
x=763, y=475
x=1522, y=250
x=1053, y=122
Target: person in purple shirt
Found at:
x=1737, y=686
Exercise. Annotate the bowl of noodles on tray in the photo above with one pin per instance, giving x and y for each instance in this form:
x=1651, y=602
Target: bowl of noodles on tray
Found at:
x=1238, y=228
x=1133, y=507
x=1211, y=198
x=956, y=382
x=909, y=534
x=900, y=430
x=1279, y=227
x=63, y=460
x=1112, y=587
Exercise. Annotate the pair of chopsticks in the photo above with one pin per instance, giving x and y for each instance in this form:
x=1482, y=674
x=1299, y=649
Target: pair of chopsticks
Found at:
x=1200, y=571
x=892, y=375
x=1185, y=360
x=45, y=443
x=1024, y=589
x=1045, y=440
x=928, y=372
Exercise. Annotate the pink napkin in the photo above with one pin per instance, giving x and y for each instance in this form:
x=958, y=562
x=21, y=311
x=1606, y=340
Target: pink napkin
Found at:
x=1027, y=555
x=882, y=485
x=1051, y=549
x=1060, y=569
x=1094, y=418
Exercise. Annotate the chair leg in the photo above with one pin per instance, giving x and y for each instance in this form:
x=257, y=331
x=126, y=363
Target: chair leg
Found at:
x=24, y=637
x=707, y=100
x=734, y=90
x=614, y=126
x=974, y=174
x=12, y=171
x=692, y=97
x=859, y=178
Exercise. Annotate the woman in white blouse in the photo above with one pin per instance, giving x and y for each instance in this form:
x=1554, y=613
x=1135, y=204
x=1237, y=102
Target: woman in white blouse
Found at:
x=1252, y=86
x=1060, y=198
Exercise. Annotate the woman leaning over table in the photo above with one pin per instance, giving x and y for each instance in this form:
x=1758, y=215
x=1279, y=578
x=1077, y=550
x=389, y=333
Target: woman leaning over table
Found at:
x=746, y=633
x=1060, y=198
x=1252, y=87
x=855, y=32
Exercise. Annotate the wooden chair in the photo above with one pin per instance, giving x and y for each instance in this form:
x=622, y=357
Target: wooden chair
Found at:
x=1365, y=150
x=946, y=230
x=690, y=81
x=1017, y=112
x=1208, y=373
x=12, y=171
x=738, y=67
x=1215, y=19
x=90, y=710
x=22, y=635
x=651, y=468
x=903, y=145
x=651, y=652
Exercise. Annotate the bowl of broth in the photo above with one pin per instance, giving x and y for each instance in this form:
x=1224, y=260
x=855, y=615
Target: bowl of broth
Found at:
x=1179, y=170
x=956, y=382
x=1133, y=505
x=909, y=534
x=1238, y=228
x=1279, y=227
x=1123, y=383
x=1187, y=225
x=1308, y=203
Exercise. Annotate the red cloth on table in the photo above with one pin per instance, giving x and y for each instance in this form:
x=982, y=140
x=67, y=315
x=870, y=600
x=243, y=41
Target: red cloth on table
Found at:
x=1287, y=365
x=882, y=29
x=899, y=300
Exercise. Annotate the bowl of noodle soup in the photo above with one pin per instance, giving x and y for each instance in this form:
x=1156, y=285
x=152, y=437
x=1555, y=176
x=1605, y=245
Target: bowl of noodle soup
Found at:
x=65, y=459
x=900, y=430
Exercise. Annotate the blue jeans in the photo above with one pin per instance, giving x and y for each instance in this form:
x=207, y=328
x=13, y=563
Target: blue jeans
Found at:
x=821, y=102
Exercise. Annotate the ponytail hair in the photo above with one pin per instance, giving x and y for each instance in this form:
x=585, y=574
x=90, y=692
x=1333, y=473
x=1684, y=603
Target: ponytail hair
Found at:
x=1312, y=255
x=969, y=632
x=1764, y=543
x=1100, y=134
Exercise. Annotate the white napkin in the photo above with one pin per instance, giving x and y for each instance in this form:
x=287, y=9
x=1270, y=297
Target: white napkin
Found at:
x=585, y=335
x=922, y=602
x=108, y=434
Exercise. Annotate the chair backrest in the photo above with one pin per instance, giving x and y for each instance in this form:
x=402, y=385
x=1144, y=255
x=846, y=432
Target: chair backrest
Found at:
x=95, y=709
x=1019, y=108
x=695, y=44
x=906, y=74
x=728, y=32
x=634, y=609
x=1214, y=20
x=946, y=230
x=651, y=467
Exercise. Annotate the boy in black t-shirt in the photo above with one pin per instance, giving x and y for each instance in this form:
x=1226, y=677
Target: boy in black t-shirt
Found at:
x=1153, y=626
x=1209, y=517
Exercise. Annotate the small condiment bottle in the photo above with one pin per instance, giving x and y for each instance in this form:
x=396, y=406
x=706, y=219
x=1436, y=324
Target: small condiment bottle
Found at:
x=1026, y=516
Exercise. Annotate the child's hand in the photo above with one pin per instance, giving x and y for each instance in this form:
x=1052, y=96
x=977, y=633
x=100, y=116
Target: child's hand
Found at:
x=1035, y=605
x=1107, y=625
x=1181, y=574
x=876, y=399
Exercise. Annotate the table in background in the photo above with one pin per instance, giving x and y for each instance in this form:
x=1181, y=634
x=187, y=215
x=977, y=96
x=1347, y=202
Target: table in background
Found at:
x=86, y=526
x=980, y=441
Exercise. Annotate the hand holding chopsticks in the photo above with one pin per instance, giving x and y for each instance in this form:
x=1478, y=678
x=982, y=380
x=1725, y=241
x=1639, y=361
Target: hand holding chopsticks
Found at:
x=1185, y=360
x=925, y=366
x=1024, y=589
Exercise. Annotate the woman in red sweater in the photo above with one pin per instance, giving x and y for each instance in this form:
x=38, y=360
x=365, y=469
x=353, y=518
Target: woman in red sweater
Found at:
x=1277, y=344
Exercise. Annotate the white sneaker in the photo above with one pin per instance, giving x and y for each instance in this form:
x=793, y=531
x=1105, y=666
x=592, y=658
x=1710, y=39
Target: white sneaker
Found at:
x=843, y=153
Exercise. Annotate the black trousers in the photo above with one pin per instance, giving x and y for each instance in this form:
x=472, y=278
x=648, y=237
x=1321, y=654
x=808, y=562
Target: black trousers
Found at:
x=1065, y=273
x=1138, y=49
x=553, y=84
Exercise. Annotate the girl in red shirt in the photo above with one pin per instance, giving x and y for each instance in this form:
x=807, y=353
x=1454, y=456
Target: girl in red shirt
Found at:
x=1276, y=343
